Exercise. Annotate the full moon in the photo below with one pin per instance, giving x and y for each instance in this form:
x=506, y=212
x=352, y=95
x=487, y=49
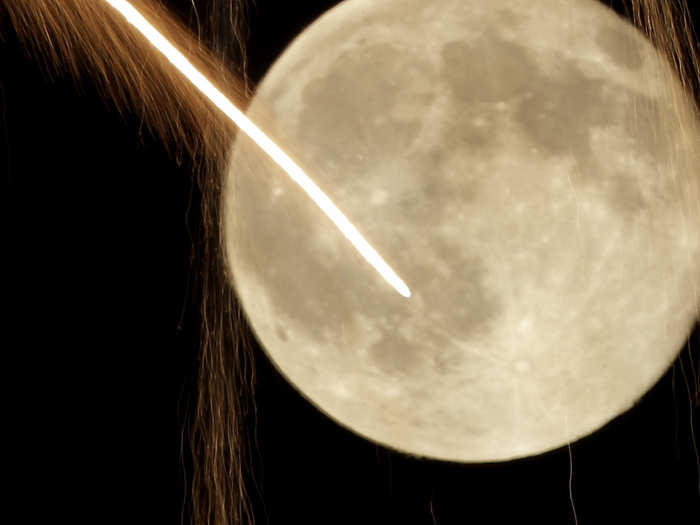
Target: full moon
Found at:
x=520, y=166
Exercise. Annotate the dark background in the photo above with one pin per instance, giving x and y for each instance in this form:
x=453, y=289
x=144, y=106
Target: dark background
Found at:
x=100, y=344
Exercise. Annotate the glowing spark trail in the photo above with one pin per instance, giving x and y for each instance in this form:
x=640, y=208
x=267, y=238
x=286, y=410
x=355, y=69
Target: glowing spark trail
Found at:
x=135, y=18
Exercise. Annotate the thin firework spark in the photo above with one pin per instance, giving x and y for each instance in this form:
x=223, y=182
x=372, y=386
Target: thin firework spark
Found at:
x=284, y=161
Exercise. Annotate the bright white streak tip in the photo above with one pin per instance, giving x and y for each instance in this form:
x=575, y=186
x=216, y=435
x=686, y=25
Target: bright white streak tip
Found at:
x=135, y=18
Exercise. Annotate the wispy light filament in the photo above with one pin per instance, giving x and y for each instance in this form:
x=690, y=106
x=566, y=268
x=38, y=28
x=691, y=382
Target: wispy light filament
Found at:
x=134, y=17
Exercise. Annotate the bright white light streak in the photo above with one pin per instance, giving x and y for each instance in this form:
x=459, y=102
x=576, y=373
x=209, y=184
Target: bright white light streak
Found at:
x=135, y=18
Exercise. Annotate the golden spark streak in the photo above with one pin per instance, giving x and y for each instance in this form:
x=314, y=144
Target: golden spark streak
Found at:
x=135, y=18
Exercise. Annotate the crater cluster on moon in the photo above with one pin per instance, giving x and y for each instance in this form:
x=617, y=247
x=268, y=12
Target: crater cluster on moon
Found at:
x=517, y=164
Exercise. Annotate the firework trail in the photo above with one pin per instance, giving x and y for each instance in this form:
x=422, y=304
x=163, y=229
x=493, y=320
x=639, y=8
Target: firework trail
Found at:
x=91, y=42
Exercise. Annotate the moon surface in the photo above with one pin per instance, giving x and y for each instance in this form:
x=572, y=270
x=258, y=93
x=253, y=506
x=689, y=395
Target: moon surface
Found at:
x=518, y=165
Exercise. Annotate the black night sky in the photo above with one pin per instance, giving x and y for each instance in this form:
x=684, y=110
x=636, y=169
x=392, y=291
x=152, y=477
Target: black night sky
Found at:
x=100, y=345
